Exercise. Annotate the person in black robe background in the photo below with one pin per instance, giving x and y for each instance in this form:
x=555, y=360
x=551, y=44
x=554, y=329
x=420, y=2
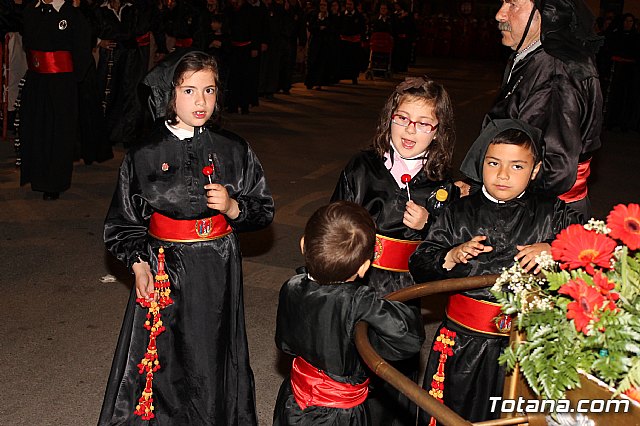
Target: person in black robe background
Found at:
x=421, y=149
x=323, y=47
x=56, y=38
x=352, y=31
x=551, y=82
x=317, y=314
x=205, y=376
x=477, y=235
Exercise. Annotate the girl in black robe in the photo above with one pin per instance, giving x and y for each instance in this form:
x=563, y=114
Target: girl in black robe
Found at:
x=204, y=376
x=317, y=314
x=414, y=138
x=477, y=235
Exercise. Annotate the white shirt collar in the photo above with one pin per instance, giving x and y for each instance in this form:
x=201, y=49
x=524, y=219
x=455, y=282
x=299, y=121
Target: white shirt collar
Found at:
x=180, y=133
x=57, y=4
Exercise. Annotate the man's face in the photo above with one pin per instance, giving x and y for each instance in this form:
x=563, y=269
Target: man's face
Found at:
x=384, y=10
x=349, y=5
x=512, y=20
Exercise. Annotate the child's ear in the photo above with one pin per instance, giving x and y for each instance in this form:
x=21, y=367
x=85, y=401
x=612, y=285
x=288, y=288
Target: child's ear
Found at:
x=364, y=268
x=302, y=245
x=536, y=169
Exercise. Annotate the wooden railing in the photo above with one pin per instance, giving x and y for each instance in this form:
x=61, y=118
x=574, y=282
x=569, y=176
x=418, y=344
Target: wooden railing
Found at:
x=410, y=389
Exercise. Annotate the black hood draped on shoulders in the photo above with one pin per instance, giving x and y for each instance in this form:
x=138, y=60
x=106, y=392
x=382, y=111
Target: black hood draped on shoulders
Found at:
x=473, y=161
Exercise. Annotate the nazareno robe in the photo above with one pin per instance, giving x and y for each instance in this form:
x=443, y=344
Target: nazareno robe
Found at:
x=49, y=104
x=367, y=181
x=472, y=374
x=562, y=102
x=205, y=377
x=317, y=322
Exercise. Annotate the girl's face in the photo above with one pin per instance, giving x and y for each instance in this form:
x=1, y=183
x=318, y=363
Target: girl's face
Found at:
x=195, y=99
x=507, y=170
x=409, y=124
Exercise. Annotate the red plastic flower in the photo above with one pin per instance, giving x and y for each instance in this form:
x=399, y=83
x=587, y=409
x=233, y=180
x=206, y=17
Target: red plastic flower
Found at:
x=587, y=300
x=576, y=247
x=624, y=222
x=604, y=286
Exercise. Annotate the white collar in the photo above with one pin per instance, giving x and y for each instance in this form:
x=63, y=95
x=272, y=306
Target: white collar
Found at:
x=180, y=133
x=57, y=4
x=495, y=200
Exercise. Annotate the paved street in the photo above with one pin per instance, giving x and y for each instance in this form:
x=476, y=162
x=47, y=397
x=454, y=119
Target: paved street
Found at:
x=60, y=322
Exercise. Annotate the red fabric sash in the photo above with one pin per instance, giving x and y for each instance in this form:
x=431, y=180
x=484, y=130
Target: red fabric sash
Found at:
x=50, y=62
x=313, y=387
x=579, y=189
x=393, y=254
x=144, y=39
x=240, y=43
x=478, y=315
x=167, y=229
x=351, y=39
x=184, y=42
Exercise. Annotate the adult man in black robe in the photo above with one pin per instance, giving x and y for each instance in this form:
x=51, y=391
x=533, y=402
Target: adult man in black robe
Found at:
x=551, y=82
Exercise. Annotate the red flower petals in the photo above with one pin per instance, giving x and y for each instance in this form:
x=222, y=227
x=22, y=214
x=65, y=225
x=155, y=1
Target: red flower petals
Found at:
x=575, y=247
x=624, y=222
x=587, y=301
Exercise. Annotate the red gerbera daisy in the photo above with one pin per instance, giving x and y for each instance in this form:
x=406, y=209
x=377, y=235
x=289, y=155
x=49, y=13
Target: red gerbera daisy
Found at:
x=576, y=247
x=586, y=302
x=624, y=222
x=604, y=286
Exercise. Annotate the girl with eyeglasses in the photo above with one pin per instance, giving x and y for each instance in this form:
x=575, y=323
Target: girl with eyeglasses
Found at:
x=405, y=171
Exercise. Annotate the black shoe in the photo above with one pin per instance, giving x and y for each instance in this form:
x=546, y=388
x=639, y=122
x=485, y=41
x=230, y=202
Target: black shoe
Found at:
x=50, y=196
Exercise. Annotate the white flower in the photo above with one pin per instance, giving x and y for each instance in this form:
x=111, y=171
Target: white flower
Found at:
x=545, y=260
x=598, y=226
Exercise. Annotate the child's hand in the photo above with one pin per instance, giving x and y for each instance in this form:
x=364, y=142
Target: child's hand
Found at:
x=465, y=251
x=415, y=216
x=527, y=255
x=144, y=281
x=464, y=187
x=218, y=199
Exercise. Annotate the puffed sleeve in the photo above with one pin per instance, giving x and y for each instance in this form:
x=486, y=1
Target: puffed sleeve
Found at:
x=255, y=200
x=395, y=329
x=563, y=216
x=425, y=264
x=127, y=221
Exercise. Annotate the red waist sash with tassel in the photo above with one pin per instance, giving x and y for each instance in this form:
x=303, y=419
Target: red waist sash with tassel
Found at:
x=144, y=39
x=313, y=387
x=393, y=254
x=478, y=315
x=188, y=231
x=55, y=62
x=579, y=189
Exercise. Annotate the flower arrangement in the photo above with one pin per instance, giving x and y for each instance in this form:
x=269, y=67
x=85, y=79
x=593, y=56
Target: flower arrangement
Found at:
x=581, y=313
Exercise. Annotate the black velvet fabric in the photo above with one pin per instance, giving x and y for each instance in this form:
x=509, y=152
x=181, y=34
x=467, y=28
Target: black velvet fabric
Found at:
x=317, y=322
x=544, y=93
x=205, y=377
x=472, y=374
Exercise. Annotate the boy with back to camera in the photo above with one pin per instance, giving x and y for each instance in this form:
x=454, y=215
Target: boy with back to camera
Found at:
x=478, y=235
x=317, y=314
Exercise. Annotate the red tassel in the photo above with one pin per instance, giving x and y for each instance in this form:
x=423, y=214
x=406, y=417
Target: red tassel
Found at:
x=150, y=362
x=443, y=344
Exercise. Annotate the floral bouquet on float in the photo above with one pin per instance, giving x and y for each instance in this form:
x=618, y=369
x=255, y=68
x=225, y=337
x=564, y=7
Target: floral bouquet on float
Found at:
x=581, y=314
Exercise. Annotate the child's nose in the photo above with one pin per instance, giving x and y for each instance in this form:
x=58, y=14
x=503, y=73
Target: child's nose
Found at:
x=503, y=173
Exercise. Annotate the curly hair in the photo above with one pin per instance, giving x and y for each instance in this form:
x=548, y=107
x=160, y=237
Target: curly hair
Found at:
x=190, y=63
x=439, y=154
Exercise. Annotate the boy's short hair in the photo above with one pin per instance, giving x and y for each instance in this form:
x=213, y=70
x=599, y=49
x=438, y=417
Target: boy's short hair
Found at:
x=338, y=239
x=516, y=137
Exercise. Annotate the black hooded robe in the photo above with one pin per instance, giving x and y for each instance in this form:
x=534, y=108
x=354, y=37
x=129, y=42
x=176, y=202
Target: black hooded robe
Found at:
x=205, y=377
x=325, y=340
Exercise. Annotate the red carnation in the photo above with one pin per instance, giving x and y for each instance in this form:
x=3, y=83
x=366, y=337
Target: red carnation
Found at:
x=587, y=300
x=576, y=247
x=624, y=222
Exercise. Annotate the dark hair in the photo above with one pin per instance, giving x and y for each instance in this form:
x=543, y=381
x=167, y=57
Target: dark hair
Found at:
x=440, y=151
x=516, y=137
x=338, y=239
x=192, y=62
